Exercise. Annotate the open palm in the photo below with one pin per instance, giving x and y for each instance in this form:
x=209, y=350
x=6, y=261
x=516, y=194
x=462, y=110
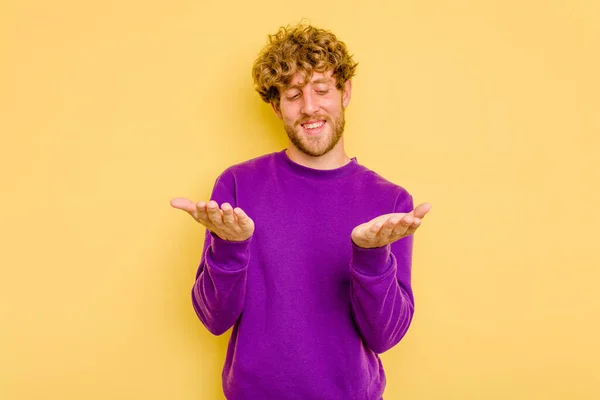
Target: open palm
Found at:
x=388, y=228
x=226, y=222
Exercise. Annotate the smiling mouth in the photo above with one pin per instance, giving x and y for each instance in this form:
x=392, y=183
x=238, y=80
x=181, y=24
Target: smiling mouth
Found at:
x=313, y=127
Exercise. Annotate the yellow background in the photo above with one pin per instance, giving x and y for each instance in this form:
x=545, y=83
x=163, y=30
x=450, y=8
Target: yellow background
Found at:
x=487, y=109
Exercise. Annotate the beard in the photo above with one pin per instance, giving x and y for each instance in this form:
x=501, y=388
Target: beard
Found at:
x=318, y=145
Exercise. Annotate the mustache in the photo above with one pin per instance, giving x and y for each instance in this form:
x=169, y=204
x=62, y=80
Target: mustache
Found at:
x=304, y=120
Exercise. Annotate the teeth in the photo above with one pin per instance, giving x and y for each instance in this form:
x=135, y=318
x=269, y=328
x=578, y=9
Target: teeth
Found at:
x=313, y=126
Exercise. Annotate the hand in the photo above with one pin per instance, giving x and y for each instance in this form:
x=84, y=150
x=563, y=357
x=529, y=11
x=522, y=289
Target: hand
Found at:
x=227, y=223
x=388, y=228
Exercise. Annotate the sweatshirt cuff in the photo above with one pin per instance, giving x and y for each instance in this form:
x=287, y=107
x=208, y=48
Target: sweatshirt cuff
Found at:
x=371, y=262
x=228, y=255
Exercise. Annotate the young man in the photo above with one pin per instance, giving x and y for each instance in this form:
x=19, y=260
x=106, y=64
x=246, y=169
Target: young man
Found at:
x=307, y=253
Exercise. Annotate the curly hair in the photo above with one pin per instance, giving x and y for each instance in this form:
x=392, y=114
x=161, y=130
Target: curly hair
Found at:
x=304, y=49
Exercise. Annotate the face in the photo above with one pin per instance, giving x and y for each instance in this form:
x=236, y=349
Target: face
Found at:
x=313, y=112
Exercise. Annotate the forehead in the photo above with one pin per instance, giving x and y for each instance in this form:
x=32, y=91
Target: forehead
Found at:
x=298, y=80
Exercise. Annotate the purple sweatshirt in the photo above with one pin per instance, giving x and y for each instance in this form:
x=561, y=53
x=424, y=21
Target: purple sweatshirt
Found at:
x=310, y=310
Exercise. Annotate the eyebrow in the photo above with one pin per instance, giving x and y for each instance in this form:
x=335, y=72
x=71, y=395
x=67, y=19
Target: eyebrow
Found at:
x=319, y=80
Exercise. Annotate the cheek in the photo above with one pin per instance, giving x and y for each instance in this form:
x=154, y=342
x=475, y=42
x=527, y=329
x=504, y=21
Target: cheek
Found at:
x=333, y=105
x=289, y=120
x=332, y=109
x=290, y=115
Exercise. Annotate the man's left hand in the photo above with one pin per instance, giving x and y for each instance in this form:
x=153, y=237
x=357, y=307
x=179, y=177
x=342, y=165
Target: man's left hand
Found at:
x=388, y=228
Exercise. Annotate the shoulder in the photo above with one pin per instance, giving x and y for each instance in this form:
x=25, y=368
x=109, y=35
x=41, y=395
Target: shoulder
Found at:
x=256, y=165
x=241, y=177
x=377, y=183
x=375, y=180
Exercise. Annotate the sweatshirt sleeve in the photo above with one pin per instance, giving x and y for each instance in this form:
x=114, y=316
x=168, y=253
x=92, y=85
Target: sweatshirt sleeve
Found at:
x=219, y=290
x=381, y=294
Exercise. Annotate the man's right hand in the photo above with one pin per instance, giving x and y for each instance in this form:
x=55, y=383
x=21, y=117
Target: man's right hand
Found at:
x=226, y=222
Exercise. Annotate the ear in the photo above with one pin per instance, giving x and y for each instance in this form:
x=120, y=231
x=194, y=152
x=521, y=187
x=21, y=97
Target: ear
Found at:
x=276, y=109
x=347, y=93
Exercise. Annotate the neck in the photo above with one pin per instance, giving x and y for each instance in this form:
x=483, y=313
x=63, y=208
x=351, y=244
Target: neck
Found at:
x=336, y=158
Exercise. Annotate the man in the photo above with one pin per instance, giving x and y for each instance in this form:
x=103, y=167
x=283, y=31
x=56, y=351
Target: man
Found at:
x=307, y=253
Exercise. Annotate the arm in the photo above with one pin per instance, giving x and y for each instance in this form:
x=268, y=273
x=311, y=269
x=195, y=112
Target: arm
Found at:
x=219, y=290
x=381, y=294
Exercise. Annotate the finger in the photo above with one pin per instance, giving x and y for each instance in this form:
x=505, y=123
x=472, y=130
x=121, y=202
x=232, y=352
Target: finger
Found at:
x=413, y=227
x=422, y=209
x=243, y=219
x=373, y=230
x=201, y=213
x=214, y=213
x=184, y=204
x=388, y=227
x=400, y=228
x=228, y=218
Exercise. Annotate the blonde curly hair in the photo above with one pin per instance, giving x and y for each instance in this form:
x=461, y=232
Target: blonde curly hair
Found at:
x=304, y=49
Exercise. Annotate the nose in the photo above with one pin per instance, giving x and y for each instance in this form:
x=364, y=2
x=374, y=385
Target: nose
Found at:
x=309, y=103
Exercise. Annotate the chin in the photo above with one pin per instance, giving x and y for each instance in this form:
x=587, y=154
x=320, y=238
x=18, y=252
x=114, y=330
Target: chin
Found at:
x=317, y=151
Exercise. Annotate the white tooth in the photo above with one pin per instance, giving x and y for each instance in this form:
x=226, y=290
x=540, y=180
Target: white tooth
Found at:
x=315, y=125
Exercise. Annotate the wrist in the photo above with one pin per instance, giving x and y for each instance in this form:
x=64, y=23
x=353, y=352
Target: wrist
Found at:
x=371, y=261
x=228, y=254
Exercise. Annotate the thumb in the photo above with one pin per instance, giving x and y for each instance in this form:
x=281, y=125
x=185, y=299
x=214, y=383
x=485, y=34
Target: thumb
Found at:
x=184, y=204
x=421, y=210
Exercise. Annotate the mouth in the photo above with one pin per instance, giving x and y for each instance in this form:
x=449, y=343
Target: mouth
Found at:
x=314, y=127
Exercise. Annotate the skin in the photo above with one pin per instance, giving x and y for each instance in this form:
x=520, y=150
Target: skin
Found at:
x=388, y=228
x=226, y=222
x=318, y=99
x=315, y=100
